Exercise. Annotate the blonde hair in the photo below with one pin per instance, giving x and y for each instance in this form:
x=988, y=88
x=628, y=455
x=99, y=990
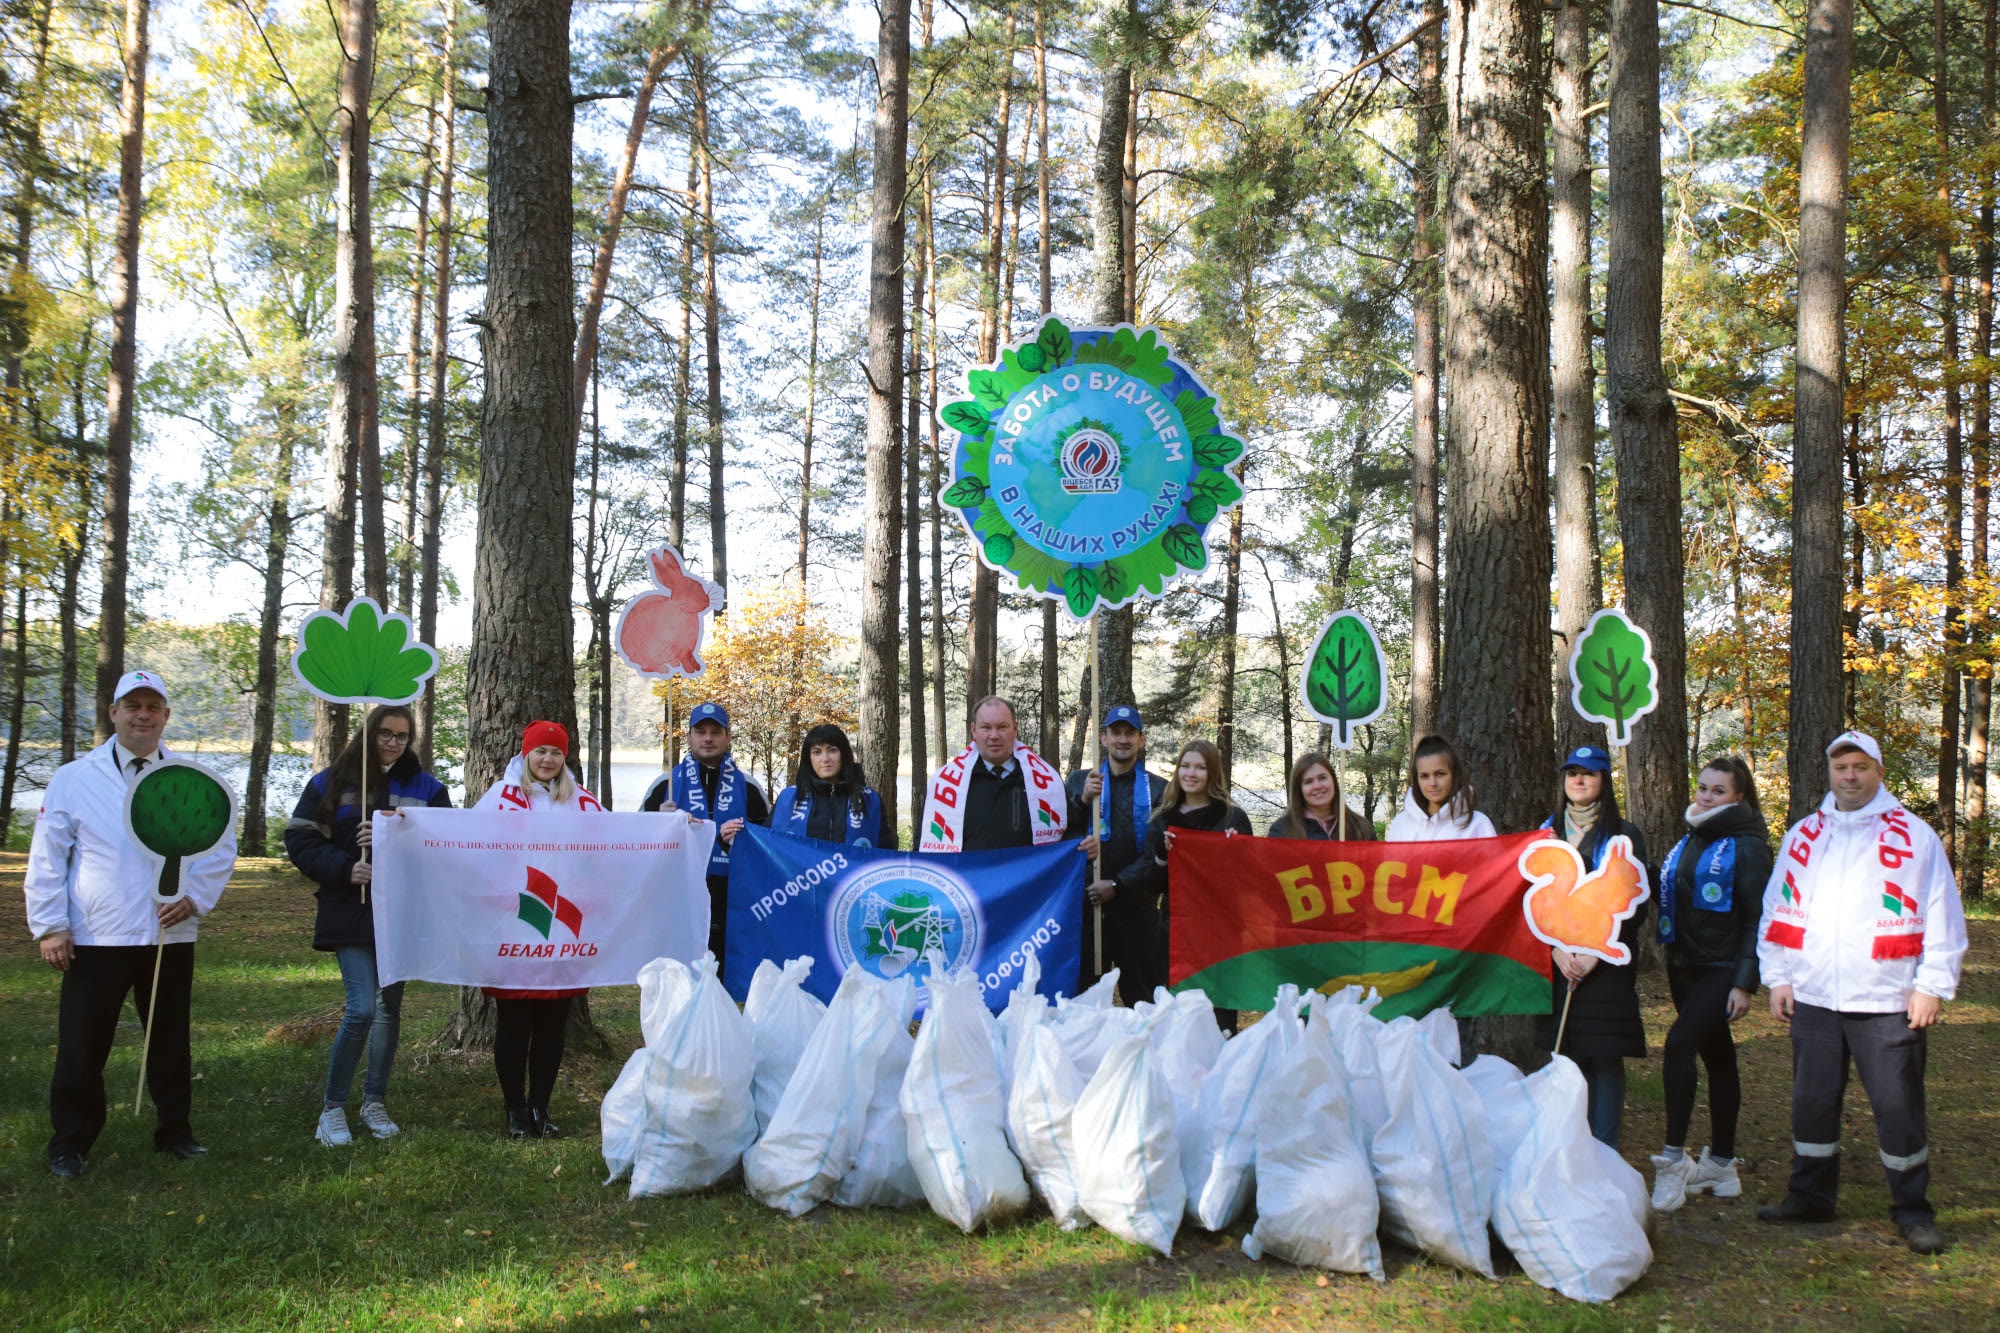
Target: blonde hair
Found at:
x=561, y=789
x=1211, y=758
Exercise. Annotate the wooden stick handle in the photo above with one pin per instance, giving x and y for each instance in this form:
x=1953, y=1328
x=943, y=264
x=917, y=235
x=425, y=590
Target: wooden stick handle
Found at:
x=1096, y=805
x=152, y=1016
x=1564, y=1024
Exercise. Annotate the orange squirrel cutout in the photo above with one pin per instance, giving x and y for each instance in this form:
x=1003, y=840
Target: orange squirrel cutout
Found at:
x=660, y=632
x=1578, y=911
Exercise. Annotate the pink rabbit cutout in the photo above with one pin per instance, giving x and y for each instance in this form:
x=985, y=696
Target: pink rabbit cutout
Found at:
x=660, y=631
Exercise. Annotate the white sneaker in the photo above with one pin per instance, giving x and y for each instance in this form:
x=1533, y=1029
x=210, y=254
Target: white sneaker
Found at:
x=332, y=1129
x=376, y=1117
x=1670, y=1182
x=1715, y=1175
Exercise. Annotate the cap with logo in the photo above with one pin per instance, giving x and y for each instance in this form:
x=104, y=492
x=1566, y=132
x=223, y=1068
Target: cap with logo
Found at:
x=1855, y=740
x=1589, y=758
x=1127, y=714
x=139, y=680
x=715, y=713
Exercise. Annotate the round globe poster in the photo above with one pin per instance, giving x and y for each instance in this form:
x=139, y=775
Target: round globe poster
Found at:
x=1090, y=464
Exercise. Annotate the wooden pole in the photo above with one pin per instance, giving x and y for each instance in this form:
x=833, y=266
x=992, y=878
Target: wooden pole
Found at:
x=1564, y=1024
x=1340, y=795
x=1097, y=863
x=152, y=1003
x=367, y=762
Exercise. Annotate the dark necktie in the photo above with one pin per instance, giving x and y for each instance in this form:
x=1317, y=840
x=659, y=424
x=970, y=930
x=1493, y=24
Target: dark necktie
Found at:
x=139, y=763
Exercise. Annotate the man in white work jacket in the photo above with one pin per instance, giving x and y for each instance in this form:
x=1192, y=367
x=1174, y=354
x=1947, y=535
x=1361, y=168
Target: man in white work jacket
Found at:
x=1861, y=941
x=93, y=910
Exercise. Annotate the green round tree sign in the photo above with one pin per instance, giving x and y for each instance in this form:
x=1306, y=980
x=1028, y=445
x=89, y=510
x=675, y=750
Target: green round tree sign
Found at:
x=1090, y=464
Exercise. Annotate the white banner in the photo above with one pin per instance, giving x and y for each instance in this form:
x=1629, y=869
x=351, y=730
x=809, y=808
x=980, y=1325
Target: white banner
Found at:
x=541, y=901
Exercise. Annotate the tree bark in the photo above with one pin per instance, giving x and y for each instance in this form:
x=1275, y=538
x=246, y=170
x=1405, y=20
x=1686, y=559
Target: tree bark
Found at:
x=711, y=303
x=1645, y=434
x=122, y=382
x=1818, y=404
x=354, y=408
x=523, y=664
x=913, y=633
x=812, y=391
x=684, y=365
x=881, y=533
x=1954, y=452
x=1496, y=702
x=1049, y=733
x=435, y=445
x=1232, y=605
x=614, y=219
x=406, y=549
x=263, y=707
x=1972, y=871
x=17, y=689
x=1424, y=319
x=1579, y=577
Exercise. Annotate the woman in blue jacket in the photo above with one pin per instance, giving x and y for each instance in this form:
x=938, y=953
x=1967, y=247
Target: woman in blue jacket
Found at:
x=325, y=840
x=829, y=799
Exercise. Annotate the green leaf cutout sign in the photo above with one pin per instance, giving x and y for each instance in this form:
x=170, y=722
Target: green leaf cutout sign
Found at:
x=176, y=810
x=363, y=655
x=1346, y=681
x=1613, y=678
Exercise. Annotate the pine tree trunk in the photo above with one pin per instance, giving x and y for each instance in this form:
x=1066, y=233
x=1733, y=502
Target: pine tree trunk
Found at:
x=913, y=632
x=684, y=365
x=1954, y=453
x=1049, y=733
x=123, y=380
x=406, y=549
x=1819, y=404
x=435, y=444
x=812, y=392
x=711, y=301
x=17, y=700
x=1972, y=872
x=1496, y=702
x=74, y=555
x=1579, y=579
x=1232, y=605
x=354, y=408
x=881, y=516
x=1645, y=434
x=1424, y=319
x=263, y=708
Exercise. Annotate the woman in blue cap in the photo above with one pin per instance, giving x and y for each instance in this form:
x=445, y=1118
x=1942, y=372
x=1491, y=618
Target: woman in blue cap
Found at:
x=1604, y=1025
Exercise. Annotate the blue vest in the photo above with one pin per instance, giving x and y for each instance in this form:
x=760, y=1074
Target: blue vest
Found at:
x=1714, y=881
x=788, y=815
x=732, y=801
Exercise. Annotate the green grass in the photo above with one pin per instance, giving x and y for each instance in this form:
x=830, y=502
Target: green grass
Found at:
x=452, y=1226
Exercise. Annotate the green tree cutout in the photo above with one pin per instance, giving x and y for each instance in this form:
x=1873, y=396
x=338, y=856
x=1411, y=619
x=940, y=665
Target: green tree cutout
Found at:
x=178, y=809
x=362, y=655
x=1345, y=682
x=1613, y=678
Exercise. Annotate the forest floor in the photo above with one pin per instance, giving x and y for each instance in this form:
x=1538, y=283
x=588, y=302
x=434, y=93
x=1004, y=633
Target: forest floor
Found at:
x=452, y=1226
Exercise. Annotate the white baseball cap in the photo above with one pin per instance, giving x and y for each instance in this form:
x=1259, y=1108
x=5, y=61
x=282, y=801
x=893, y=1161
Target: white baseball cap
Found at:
x=139, y=680
x=1856, y=740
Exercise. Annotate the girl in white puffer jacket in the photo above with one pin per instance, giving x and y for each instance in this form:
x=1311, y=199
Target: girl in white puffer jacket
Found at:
x=1440, y=806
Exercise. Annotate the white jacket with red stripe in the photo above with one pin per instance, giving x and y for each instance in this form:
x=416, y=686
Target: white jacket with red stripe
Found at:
x=1861, y=909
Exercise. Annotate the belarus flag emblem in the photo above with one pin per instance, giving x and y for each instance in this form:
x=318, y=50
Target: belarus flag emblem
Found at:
x=542, y=905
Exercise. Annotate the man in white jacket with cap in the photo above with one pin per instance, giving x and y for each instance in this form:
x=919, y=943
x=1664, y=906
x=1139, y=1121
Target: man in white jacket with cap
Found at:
x=1861, y=940
x=94, y=914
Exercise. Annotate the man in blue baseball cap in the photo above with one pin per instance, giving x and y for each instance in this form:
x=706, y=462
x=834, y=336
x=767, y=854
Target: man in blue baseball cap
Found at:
x=1135, y=934
x=707, y=784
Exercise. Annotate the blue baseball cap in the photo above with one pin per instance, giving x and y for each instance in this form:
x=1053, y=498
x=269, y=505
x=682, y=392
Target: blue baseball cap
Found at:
x=715, y=713
x=1127, y=714
x=1589, y=758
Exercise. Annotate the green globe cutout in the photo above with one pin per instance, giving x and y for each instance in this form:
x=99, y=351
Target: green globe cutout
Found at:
x=176, y=811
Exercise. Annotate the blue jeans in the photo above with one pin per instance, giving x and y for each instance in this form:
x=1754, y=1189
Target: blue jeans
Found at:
x=1604, y=1077
x=374, y=1017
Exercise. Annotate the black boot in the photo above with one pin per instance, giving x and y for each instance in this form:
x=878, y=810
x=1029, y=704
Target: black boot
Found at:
x=521, y=1123
x=545, y=1127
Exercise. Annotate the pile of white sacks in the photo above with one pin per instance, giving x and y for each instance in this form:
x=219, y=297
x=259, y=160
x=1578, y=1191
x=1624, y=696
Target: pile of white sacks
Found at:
x=1321, y=1122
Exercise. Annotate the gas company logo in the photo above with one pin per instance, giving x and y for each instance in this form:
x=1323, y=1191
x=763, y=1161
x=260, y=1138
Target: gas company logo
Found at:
x=1090, y=461
x=897, y=919
x=542, y=906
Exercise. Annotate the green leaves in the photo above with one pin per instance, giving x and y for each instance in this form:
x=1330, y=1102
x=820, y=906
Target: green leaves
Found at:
x=999, y=550
x=175, y=810
x=1613, y=678
x=989, y=389
x=1081, y=591
x=362, y=655
x=964, y=493
x=1055, y=342
x=967, y=419
x=1143, y=357
x=1217, y=451
x=1219, y=487
x=1344, y=684
x=1183, y=542
x=1197, y=414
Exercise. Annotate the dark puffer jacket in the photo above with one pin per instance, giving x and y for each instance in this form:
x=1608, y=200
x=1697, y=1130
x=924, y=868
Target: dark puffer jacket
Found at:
x=1604, y=1017
x=1705, y=938
x=326, y=853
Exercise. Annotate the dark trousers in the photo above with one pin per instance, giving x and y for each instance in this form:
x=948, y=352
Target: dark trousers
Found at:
x=718, y=916
x=93, y=995
x=1604, y=1080
x=1135, y=942
x=528, y=1049
x=1701, y=1032
x=1889, y=1055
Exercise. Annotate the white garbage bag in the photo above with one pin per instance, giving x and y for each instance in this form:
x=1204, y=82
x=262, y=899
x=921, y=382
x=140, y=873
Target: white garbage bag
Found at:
x=1219, y=1150
x=1441, y=1029
x=1087, y=1031
x=1315, y=1193
x=1571, y=1210
x=699, y=1116
x=1503, y=1093
x=785, y=1018
x=956, y=1121
x=1355, y=1032
x=815, y=1130
x=1025, y=1008
x=1129, y=1162
x=664, y=986
x=1186, y=1036
x=1432, y=1159
x=880, y=1175
x=1040, y=1122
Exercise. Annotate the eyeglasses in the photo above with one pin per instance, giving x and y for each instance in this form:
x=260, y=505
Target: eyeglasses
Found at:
x=393, y=737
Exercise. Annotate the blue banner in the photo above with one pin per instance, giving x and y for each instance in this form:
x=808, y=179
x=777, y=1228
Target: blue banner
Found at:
x=899, y=914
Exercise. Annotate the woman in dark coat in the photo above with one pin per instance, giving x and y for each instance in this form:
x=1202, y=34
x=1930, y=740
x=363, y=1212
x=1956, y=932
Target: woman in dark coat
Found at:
x=829, y=799
x=1604, y=1025
x=325, y=840
x=1711, y=899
